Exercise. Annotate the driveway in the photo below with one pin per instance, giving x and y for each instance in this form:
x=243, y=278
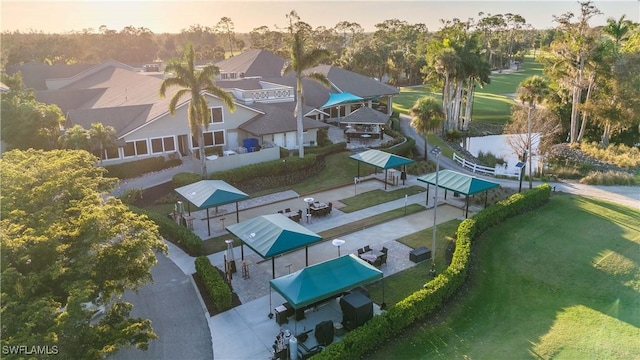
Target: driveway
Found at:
x=177, y=316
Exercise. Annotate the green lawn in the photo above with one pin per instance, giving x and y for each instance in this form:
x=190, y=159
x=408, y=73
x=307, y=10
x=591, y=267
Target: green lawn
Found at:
x=560, y=282
x=492, y=103
x=376, y=197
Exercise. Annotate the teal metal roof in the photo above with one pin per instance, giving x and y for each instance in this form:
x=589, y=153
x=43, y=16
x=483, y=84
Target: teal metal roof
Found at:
x=208, y=193
x=324, y=280
x=381, y=159
x=458, y=182
x=273, y=234
x=341, y=98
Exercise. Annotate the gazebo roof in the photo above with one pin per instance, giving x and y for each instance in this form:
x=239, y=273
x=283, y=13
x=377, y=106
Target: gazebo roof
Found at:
x=341, y=98
x=209, y=193
x=273, y=234
x=366, y=115
x=381, y=159
x=458, y=182
x=323, y=280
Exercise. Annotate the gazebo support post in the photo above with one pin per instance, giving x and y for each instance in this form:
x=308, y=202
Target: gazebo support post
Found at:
x=189, y=207
x=273, y=268
x=358, y=169
x=242, y=250
x=466, y=212
x=237, y=213
x=445, y=194
x=208, y=222
x=306, y=255
x=385, y=179
x=270, y=316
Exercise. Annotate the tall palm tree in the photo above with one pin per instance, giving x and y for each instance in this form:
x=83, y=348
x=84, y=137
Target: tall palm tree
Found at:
x=102, y=137
x=427, y=116
x=301, y=60
x=532, y=91
x=193, y=83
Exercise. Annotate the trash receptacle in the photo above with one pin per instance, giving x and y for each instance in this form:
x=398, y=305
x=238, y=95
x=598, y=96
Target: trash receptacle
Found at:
x=293, y=348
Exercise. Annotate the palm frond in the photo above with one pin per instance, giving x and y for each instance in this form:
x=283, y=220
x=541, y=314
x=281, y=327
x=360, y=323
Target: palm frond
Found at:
x=175, y=99
x=321, y=78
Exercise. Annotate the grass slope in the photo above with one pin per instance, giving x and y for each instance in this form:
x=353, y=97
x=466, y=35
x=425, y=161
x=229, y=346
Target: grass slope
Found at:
x=560, y=282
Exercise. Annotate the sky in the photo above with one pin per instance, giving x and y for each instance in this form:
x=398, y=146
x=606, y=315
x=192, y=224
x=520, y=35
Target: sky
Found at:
x=174, y=15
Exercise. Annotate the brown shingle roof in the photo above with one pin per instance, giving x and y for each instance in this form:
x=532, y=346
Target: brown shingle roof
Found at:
x=366, y=115
x=348, y=81
x=253, y=62
x=278, y=118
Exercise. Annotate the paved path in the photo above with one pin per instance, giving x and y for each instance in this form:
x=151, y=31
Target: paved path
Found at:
x=172, y=289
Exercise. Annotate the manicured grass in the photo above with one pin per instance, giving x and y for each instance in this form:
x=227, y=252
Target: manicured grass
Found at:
x=400, y=285
x=492, y=103
x=562, y=281
x=217, y=244
x=376, y=197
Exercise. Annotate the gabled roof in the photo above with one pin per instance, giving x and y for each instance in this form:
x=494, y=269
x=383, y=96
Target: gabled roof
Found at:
x=68, y=99
x=366, y=115
x=254, y=62
x=209, y=193
x=35, y=75
x=349, y=81
x=458, y=182
x=278, y=118
x=381, y=159
x=273, y=234
x=324, y=280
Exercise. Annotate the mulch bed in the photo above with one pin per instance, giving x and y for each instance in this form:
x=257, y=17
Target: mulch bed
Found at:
x=208, y=301
x=152, y=194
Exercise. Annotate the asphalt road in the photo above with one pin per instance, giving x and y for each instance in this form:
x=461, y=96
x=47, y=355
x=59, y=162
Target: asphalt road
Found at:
x=177, y=316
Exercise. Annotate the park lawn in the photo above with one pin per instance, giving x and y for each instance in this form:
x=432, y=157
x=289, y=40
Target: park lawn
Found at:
x=402, y=284
x=562, y=281
x=377, y=197
x=492, y=102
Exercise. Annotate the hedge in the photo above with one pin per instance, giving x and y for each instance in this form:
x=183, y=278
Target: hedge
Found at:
x=214, y=284
x=182, y=237
x=140, y=167
x=416, y=306
x=272, y=174
x=183, y=179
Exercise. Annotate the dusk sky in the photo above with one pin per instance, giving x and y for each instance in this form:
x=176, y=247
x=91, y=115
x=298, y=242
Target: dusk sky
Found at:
x=174, y=15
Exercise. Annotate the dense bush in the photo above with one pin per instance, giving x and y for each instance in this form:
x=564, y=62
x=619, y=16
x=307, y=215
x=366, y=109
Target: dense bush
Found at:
x=272, y=174
x=140, y=167
x=182, y=237
x=403, y=149
x=418, y=305
x=182, y=179
x=131, y=196
x=214, y=284
x=609, y=178
x=621, y=155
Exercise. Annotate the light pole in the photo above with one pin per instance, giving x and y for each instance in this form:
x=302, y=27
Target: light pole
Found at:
x=435, y=151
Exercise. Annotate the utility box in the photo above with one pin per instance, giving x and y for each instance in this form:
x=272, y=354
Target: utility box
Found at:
x=357, y=309
x=420, y=254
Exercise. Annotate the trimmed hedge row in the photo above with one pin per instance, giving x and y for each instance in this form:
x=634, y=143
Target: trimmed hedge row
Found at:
x=214, y=284
x=183, y=179
x=272, y=174
x=182, y=237
x=418, y=305
x=140, y=167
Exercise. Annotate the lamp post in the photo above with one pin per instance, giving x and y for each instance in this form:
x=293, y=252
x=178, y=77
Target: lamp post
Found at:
x=435, y=151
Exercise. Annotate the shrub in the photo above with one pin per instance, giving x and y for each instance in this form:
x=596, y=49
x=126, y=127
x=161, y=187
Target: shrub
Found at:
x=490, y=159
x=131, y=196
x=609, y=178
x=140, y=167
x=182, y=237
x=416, y=306
x=214, y=284
x=182, y=179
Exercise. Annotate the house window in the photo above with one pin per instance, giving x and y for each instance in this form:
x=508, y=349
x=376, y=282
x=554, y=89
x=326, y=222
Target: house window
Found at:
x=214, y=138
x=133, y=148
x=216, y=115
x=165, y=144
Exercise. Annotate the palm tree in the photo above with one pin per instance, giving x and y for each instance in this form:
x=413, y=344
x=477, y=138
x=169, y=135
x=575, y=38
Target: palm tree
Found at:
x=532, y=91
x=301, y=59
x=75, y=138
x=193, y=83
x=102, y=137
x=427, y=117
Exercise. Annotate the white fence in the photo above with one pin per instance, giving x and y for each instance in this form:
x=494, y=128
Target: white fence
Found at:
x=234, y=161
x=485, y=170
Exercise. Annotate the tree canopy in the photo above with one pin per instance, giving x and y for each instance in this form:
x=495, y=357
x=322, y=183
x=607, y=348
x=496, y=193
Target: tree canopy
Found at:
x=67, y=249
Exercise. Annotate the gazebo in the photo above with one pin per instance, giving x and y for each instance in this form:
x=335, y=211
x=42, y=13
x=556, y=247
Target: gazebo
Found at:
x=382, y=160
x=272, y=235
x=365, y=120
x=458, y=183
x=210, y=193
